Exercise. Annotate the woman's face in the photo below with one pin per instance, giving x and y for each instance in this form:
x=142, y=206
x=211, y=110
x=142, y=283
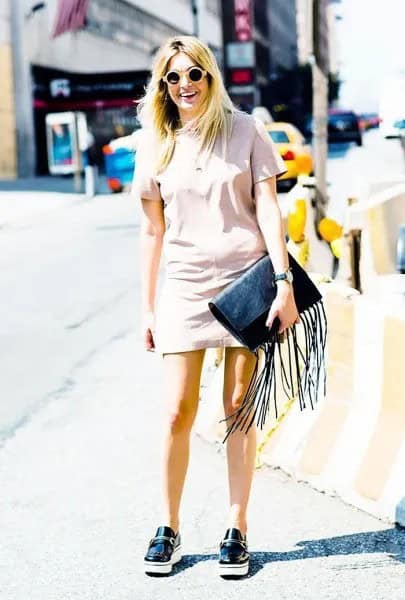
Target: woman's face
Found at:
x=187, y=95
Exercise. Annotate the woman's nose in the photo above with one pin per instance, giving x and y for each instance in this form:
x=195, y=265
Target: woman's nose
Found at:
x=183, y=79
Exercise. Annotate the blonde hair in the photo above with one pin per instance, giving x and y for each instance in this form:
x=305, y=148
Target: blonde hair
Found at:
x=157, y=111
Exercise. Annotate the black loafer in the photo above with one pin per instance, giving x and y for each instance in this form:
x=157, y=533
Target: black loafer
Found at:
x=164, y=551
x=233, y=554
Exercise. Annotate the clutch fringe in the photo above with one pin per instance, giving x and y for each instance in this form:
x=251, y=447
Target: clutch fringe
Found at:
x=300, y=375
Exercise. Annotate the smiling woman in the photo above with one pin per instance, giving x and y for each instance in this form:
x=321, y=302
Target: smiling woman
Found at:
x=206, y=178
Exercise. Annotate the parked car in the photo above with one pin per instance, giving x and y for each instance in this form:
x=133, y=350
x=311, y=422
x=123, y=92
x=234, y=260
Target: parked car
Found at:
x=369, y=120
x=293, y=149
x=344, y=126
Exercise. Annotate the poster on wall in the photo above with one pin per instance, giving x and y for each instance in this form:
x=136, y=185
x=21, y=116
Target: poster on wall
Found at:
x=62, y=143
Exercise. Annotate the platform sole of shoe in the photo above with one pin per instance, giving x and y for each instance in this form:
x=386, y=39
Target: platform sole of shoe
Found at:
x=234, y=570
x=163, y=568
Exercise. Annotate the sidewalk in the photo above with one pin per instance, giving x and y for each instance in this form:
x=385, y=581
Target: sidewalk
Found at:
x=80, y=489
x=49, y=183
x=41, y=195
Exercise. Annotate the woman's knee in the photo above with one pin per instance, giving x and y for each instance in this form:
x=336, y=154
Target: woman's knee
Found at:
x=239, y=369
x=182, y=372
x=181, y=418
x=234, y=399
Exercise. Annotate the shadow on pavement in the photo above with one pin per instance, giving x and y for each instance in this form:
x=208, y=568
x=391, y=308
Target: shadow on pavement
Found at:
x=388, y=541
x=189, y=560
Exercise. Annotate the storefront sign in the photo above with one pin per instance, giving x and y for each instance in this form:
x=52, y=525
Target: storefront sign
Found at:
x=240, y=55
x=240, y=52
x=58, y=86
x=243, y=20
x=242, y=89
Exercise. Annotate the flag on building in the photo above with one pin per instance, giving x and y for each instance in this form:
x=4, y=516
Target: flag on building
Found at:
x=70, y=15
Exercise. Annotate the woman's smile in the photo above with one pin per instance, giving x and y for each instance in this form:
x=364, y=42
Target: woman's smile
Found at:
x=188, y=95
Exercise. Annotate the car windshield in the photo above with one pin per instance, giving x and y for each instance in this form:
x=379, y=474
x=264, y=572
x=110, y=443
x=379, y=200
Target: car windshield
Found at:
x=279, y=137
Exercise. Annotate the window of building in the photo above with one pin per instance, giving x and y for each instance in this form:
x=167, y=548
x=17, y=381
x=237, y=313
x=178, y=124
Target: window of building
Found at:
x=120, y=21
x=213, y=7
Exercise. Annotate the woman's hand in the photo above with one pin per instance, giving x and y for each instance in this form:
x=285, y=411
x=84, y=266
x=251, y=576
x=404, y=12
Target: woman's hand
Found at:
x=148, y=329
x=283, y=307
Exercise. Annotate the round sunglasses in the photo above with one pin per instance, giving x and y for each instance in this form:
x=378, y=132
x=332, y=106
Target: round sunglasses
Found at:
x=194, y=74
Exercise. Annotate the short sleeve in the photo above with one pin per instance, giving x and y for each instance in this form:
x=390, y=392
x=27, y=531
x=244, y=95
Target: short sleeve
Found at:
x=144, y=183
x=265, y=158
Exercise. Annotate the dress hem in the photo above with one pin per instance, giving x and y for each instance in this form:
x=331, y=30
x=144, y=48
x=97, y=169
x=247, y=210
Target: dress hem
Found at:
x=204, y=344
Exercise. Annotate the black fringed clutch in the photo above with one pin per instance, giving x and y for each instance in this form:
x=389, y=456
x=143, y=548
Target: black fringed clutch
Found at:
x=242, y=308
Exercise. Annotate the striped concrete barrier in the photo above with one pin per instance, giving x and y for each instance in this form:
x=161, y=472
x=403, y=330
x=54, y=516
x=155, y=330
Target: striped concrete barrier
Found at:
x=353, y=443
x=378, y=216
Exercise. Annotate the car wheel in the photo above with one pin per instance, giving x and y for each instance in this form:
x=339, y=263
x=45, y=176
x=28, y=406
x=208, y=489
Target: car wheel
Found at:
x=359, y=141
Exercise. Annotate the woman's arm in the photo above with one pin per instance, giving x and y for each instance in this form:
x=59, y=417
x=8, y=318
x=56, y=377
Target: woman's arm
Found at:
x=151, y=241
x=271, y=225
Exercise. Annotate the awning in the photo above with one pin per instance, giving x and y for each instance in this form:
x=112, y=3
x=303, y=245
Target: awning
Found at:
x=70, y=15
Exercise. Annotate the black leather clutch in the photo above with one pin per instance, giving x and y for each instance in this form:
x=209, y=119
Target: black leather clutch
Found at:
x=242, y=308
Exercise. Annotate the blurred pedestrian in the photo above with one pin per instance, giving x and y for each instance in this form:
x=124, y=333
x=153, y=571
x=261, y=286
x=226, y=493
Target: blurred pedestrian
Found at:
x=129, y=142
x=206, y=176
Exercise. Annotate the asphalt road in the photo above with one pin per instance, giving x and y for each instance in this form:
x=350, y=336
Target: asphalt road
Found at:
x=68, y=286
x=80, y=500
x=351, y=169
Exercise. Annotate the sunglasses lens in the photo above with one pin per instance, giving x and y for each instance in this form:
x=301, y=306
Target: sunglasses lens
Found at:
x=173, y=77
x=195, y=74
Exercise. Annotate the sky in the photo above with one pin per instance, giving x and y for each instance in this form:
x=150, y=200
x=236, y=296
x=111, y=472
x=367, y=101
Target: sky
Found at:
x=371, y=49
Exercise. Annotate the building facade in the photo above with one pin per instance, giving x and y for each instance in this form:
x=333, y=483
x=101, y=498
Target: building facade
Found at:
x=282, y=93
x=92, y=56
x=327, y=41
x=8, y=157
x=282, y=19
x=333, y=16
x=328, y=50
x=260, y=40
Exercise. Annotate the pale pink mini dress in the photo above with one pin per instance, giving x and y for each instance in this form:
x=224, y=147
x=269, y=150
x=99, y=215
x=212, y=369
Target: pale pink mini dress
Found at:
x=212, y=234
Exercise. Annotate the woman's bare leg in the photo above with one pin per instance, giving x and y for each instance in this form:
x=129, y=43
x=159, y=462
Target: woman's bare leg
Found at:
x=182, y=388
x=241, y=447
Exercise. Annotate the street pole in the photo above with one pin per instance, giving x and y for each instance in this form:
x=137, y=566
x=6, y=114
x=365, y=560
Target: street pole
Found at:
x=320, y=132
x=24, y=114
x=319, y=66
x=194, y=11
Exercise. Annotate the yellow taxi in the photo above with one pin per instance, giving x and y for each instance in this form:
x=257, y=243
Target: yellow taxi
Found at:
x=295, y=152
